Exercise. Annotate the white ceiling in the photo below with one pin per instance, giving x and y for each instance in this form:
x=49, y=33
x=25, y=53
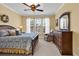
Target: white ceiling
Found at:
x=49, y=9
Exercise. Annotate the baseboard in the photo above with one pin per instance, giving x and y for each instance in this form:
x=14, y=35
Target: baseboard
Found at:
x=74, y=54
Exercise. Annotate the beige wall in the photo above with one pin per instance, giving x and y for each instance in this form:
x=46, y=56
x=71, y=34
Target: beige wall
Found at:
x=24, y=23
x=74, y=9
x=52, y=22
x=14, y=19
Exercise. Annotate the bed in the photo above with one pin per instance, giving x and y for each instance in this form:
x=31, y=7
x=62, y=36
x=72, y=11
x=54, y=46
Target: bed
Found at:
x=23, y=44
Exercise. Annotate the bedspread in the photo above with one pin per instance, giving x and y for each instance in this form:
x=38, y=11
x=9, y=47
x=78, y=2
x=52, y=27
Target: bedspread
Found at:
x=18, y=44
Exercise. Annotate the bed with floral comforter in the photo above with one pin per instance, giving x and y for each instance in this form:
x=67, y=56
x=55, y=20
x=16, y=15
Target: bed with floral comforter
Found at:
x=18, y=44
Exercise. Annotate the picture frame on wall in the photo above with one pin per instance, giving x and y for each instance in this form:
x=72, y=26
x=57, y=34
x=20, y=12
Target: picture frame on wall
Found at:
x=56, y=22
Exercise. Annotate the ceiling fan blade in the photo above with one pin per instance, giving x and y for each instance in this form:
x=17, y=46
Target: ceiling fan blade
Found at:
x=26, y=4
x=39, y=10
x=26, y=9
x=37, y=5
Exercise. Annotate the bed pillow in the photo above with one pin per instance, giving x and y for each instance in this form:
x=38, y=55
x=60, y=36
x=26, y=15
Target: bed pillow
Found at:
x=4, y=33
x=12, y=32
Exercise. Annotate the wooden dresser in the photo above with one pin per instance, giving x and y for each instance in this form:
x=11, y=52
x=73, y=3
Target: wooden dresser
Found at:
x=63, y=41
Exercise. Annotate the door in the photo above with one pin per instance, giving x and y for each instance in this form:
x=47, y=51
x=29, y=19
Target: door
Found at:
x=40, y=26
x=37, y=25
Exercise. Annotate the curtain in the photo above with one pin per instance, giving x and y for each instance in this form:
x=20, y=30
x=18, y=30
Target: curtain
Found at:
x=28, y=30
x=47, y=25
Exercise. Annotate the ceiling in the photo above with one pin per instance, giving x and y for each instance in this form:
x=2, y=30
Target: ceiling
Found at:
x=49, y=9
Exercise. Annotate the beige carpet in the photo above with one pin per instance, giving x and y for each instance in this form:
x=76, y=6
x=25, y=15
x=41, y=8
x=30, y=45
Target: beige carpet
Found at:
x=45, y=48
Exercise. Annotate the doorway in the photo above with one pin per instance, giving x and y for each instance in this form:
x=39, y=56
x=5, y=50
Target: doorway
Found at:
x=38, y=26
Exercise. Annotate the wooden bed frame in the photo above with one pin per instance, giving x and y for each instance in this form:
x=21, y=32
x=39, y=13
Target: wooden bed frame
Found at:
x=34, y=41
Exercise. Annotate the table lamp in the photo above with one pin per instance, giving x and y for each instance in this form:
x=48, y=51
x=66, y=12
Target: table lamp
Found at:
x=20, y=27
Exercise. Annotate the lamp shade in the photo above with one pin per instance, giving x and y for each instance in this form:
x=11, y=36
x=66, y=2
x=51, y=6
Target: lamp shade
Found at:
x=20, y=26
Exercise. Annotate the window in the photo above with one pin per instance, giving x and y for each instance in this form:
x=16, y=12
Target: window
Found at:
x=38, y=24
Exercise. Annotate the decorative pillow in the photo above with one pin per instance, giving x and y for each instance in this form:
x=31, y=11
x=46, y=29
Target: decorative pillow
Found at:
x=4, y=33
x=12, y=32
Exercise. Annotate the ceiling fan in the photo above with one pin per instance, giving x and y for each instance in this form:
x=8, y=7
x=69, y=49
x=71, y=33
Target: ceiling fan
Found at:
x=33, y=7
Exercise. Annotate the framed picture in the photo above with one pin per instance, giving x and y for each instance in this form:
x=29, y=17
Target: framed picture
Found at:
x=56, y=22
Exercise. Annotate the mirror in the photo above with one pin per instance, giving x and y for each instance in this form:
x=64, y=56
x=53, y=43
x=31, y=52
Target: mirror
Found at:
x=64, y=21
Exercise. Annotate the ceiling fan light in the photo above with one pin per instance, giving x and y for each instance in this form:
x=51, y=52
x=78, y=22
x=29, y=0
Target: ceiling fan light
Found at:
x=33, y=9
x=33, y=6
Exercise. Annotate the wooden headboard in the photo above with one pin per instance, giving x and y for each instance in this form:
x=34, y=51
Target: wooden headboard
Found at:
x=6, y=27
